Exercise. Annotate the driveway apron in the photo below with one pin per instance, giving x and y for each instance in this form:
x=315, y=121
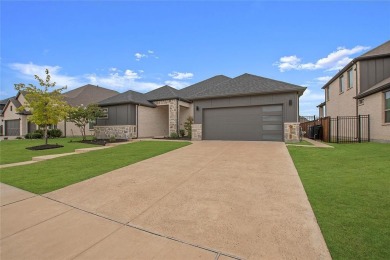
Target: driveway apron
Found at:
x=241, y=198
x=209, y=200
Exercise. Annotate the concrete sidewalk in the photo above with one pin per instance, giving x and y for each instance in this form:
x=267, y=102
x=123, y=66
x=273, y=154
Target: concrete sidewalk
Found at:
x=209, y=200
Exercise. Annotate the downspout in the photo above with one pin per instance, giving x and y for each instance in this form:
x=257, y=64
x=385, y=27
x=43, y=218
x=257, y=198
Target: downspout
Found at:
x=357, y=100
x=177, y=116
x=136, y=121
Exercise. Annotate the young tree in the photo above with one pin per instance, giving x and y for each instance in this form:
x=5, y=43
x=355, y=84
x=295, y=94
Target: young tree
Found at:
x=47, y=107
x=81, y=116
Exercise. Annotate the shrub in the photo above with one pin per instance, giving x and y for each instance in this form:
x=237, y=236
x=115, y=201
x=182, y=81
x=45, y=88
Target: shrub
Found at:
x=54, y=133
x=188, y=126
x=34, y=135
x=174, y=135
x=182, y=132
x=18, y=137
x=112, y=139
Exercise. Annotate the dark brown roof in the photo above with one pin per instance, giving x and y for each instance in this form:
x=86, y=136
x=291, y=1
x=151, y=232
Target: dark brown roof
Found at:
x=88, y=94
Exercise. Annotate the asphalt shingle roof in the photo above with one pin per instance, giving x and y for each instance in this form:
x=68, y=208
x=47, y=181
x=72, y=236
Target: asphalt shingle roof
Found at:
x=164, y=92
x=247, y=84
x=127, y=97
x=88, y=94
x=382, y=49
x=203, y=85
x=384, y=84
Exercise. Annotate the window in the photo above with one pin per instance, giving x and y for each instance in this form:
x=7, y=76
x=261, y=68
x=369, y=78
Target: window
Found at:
x=350, y=78
x=387, y=107
x=327, y=93
x=341, y=84
x=104, y=113
x=10, y=108
x=91, y=124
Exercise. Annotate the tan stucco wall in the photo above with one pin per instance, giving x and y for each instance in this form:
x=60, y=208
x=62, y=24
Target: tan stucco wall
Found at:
x=186, y=110
x=72, y=129
x=153, y=121
x=342, y=104
x=11, y=115
x=374, y=106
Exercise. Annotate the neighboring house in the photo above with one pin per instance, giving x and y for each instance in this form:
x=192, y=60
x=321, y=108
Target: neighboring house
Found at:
x=2, y=105
x=247, y=107
x=83, y=96
x=16, y=123
x=363, y=87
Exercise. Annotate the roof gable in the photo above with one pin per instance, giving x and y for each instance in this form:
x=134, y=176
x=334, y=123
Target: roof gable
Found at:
x=129, y=96
x=164, y=92
x=383, y=49
x=88, y=94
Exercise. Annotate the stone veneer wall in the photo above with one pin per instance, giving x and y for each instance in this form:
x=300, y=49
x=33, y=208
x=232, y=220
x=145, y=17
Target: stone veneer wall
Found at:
x=173, y=112
x=196, y=132
x=291, y=132
x=118, y=131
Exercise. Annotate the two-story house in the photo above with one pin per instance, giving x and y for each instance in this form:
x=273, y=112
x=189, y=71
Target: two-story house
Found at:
x=362, y=87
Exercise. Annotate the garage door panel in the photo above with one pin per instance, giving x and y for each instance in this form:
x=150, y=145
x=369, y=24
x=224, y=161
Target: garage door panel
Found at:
x=254, y=123
x=12, y=127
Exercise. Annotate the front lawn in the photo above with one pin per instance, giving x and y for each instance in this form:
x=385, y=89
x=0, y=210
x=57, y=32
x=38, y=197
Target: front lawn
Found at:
x=46, y=176
x=349, y=190
x=12, y=151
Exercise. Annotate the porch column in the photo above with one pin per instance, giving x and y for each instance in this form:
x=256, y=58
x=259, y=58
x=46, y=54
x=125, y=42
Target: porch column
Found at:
x=173, y=116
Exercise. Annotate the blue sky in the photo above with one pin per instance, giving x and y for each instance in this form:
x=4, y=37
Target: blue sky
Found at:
x=138, y=45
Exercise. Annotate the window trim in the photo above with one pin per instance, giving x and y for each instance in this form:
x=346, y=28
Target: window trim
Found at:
x=350, y=79
x=341, y=84
x=327, y=94
x=104, y=113
x=384, y=106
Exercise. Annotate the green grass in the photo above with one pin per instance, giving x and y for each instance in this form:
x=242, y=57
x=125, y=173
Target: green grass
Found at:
x=303, y=142
x=46, y=176
x=12, y=151
x=349, y=190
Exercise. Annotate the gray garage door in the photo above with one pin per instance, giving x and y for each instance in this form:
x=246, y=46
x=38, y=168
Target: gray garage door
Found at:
x=12, y=127
x=257, y=123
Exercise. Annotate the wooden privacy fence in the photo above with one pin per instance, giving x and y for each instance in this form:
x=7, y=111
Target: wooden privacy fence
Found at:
x=341, y=129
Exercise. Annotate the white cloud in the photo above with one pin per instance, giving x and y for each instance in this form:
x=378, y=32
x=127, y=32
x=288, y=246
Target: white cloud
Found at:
x=139, y=56
x=115, y=79
x=333, y=61
x=323, y=79
x=177, y=84
x=28, y=70
x=181, y=75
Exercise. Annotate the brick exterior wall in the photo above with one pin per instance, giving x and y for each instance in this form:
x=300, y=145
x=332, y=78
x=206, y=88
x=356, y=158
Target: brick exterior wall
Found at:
x=196, y=132
x=291, y=132
x=173, y=111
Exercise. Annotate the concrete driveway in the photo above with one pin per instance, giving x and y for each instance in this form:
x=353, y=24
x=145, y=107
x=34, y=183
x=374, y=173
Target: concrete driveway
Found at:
x=209, y=200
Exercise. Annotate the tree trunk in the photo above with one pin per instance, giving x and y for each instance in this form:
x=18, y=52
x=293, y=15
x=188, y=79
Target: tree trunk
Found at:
x=83, y=133
x=45, y=134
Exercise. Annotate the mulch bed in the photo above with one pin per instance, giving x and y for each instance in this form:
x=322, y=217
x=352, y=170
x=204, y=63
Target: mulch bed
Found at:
x=44, y=147
x=101, y=141
x=169, y=138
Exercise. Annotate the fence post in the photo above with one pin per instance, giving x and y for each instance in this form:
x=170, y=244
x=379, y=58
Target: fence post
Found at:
x=337, y=129
x=358, y=130
x=368, y=122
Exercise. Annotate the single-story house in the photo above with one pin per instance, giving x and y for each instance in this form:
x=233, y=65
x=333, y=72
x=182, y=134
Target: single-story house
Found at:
x=247, y=107
x=15, y=123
